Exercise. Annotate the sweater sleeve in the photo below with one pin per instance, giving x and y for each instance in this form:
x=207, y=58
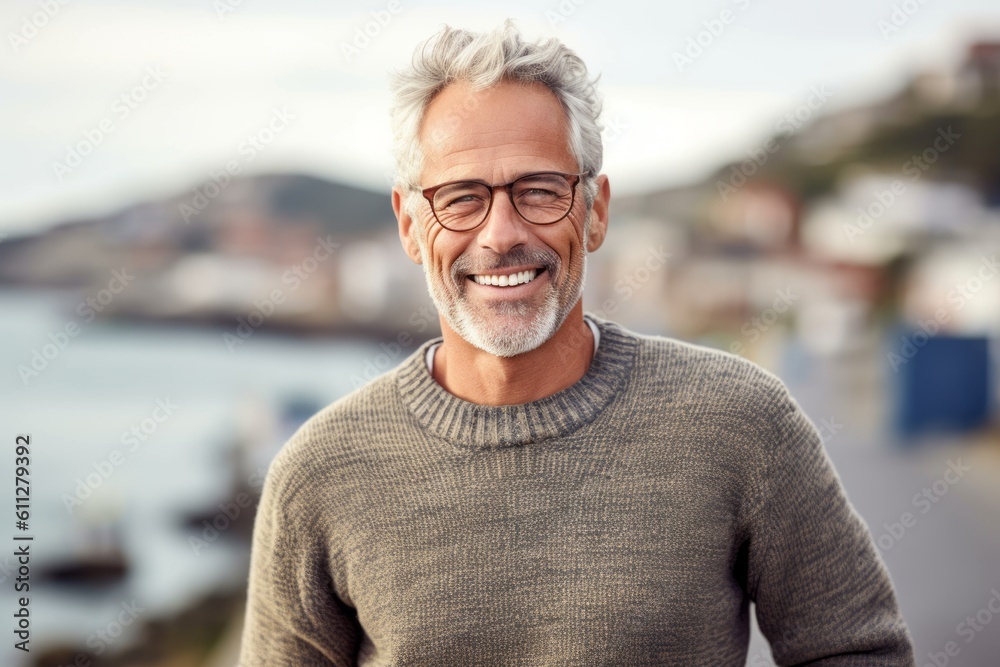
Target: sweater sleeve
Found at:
x=293, y=615
x=823, y=595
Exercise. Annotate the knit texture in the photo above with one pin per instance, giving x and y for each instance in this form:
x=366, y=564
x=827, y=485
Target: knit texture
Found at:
x=627, y=520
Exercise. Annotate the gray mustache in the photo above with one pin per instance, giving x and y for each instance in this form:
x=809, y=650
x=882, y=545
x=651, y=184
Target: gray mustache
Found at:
x=465, y=265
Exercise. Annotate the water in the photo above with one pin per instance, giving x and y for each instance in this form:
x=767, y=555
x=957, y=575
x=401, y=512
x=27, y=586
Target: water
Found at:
x=82, y=406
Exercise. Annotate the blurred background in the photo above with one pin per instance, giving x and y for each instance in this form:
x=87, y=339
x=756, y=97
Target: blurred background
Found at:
x=197, y=253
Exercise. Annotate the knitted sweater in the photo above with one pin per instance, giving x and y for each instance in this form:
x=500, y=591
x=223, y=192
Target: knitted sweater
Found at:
x=629, y=519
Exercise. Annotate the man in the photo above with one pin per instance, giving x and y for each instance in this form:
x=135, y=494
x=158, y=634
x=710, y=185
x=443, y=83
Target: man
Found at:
x=537, y=486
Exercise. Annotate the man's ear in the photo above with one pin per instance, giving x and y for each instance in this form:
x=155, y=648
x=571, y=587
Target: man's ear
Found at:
x=407, y=226
x=599, y=214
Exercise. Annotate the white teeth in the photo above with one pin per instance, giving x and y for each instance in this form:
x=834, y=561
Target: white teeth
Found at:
x=507, y=280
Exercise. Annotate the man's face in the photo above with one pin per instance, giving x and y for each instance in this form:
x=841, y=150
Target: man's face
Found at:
x=497, y=135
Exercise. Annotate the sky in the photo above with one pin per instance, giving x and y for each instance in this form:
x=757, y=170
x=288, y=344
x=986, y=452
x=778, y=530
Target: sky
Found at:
x=105, y=104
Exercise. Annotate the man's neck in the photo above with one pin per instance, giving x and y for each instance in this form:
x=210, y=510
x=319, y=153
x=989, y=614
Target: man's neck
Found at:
x=479, y=377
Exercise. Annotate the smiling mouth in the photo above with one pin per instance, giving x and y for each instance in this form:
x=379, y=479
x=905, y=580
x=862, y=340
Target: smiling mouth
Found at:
x=506, y=279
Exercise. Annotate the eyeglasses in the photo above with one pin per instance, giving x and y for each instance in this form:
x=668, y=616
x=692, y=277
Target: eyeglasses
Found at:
x=542, y=198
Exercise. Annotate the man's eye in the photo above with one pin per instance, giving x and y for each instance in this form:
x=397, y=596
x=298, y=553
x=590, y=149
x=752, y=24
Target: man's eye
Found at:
x=460, y=200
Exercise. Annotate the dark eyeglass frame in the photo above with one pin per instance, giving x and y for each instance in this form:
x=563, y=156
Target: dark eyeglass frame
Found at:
x=575, y=179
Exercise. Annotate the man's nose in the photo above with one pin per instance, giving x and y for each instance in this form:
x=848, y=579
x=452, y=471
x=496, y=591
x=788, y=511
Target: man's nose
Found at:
x=504, y=227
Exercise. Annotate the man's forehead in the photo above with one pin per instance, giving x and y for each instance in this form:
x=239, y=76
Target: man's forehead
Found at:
x=511, y=119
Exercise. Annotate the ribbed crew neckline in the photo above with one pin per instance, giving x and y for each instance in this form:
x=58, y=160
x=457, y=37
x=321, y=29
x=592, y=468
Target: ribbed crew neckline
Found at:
x=474, y=426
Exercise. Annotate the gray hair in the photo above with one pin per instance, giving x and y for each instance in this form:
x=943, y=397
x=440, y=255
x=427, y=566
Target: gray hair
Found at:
x=483, y=60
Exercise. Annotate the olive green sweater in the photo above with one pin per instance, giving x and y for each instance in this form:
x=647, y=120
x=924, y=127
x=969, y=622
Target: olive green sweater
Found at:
x=629, y=519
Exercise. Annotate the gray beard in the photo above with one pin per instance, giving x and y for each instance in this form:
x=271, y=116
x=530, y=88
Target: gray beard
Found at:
x=502, y=338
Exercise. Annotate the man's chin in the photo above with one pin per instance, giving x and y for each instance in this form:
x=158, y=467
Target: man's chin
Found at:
x=506, y=347
x=507, y=335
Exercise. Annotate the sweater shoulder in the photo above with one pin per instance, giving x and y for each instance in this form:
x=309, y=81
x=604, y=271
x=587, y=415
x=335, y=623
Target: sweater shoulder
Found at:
x=713, y=380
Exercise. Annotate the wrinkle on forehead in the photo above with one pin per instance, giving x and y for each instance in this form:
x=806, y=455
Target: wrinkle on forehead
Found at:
x=494, y=134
